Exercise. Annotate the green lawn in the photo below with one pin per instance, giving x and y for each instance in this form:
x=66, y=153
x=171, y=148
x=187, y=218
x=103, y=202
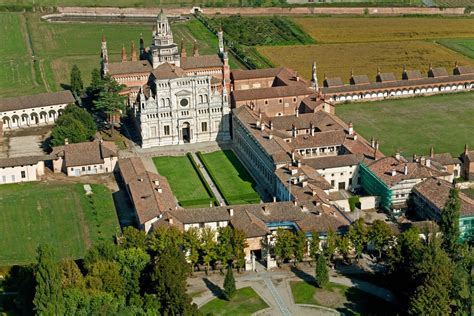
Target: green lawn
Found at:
x=245, y=302
x=414, y=125
x=60, y=215
x=463, y=46
x=185, y=182
x=231, y=178
x=469, y=192
x=348, y=301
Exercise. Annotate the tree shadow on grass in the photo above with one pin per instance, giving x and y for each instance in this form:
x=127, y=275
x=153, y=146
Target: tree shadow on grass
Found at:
x=306, y=277
x=215, y=289
x=361, y=303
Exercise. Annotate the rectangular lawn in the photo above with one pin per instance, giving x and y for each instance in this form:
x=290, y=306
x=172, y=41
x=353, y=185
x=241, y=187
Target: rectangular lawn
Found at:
x=230, y=176
x=185, y=182
x=245, y=302
x=60, y=215
x=414, y=125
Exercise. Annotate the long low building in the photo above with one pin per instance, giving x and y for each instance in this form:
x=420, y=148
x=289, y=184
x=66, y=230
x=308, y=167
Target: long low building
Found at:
x=33, y=110
x=412, y=83
x=22, y=169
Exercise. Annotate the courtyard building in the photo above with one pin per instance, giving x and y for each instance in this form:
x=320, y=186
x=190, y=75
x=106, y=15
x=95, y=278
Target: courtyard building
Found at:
x=33, y=110
x=22, y=169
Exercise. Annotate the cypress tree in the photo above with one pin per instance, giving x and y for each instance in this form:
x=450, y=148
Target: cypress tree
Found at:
x=449, y=223
x=229, y=284
x=322, y=276
x=49, y=298
x=77, y=85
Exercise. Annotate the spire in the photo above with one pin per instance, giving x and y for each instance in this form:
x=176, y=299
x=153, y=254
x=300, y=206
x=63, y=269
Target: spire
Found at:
x=314, y=78
x=378, y=71
x=432, y=152
x=134, y=52
x=466, y=149
x=104, y=56
x=220, y=37
x=195, y=49
x=124, y=54
x=352, y=72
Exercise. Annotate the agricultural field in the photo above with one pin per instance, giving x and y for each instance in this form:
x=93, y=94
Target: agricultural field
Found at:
x=231, y=178
x=337, y=60
x=412, y=126
x=462, y=46
x=184, y=180
x=60, y=215
x=58, y=46
x=454, y=3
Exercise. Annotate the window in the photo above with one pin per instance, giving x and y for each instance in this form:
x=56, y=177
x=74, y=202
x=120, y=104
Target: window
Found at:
x=280, y=101
x=184, y=102
x=350, y=181
x=166, y=130
x=83, y=168
x=333, y=183
x=203, y=126
x=23, y=174
x=266, y=102
x=88, y=168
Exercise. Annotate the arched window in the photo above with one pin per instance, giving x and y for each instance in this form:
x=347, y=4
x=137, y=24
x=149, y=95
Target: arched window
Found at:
x=200, y=98
x=206, y=98
x=168, y=102
x=162, y=102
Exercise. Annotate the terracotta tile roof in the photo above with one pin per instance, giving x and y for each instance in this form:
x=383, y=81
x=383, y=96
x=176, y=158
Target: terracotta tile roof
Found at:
x=239, y=74
x=313, y=104
x=321, y=120
x=130, y=67
x=87, y=153
x=22, y=161
x=382, y=168
x=438, y=72
x=150, y=193
x=445, y=159
x=360, y=79
x=384, y=77
x=204, y=61
x=437, y=192
x=333, y=82
x=463, y=70
x=320, y=139
x=38, y=100
x=269, y=93
x=168, y=71
x=334, y=161
x=251, y=225
x=411, y=74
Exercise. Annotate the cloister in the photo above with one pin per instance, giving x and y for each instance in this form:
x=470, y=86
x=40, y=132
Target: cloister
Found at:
x=32, y=118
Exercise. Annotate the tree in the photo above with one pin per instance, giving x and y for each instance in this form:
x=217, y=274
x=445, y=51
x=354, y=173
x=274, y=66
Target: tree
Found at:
x=238, y=245
x=229, y=284
x=380, y=235
x=299, y=246
x=132, y=262
x=192, y=245
x=75, y=124
x=322, y=276
x=343, y=245
x=109, y=274
x=109, y=103
x=314, y=244
x=132, y=238
x=358, y=236
x=283, y=245
x=71, y=276
x=330, y=245
x=163, y=238
x=76, y=81
x=449, y=223
x=208, y=246
x=48, y=298
x=224, y=245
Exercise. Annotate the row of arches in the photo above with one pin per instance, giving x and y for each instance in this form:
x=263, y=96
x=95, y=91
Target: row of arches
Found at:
x=399, y=92
x=32, y=119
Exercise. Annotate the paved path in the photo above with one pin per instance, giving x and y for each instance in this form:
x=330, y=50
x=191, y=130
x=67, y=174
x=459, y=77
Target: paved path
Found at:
x=276, y=296
x=208, y=179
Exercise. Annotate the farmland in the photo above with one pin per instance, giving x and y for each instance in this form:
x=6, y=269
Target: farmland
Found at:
x=58, y=46
x=60, y=215
x=414, y=125
x=463, y=46
x=454, y=3
x=337, y=60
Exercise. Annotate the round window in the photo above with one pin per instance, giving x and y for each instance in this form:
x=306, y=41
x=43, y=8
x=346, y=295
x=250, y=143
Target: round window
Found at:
x=184, y=102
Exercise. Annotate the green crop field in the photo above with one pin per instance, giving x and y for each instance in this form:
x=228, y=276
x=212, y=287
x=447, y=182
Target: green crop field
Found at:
x=185, y=182
x=414, y=125
x=60, y=215
x=58, y=46
x=463, y=46
x=231, y=177
x=454, y=3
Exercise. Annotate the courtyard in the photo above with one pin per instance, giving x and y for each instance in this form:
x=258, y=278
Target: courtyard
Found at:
x=412, y=126
x=61, y=215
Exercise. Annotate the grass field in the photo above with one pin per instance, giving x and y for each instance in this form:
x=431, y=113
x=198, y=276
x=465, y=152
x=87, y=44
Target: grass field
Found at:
x=231, y=177
x=58, y=46
x=414, y=125
x=463, y=46
x=60, y=215
x=245, y=302
x=348, y=301
x=337, y=60
x=380, y=29
x=184, y=180
x=469, y=192
x=454, y=3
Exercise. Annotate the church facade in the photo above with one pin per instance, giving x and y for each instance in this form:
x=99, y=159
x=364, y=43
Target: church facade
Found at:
x=174, y=98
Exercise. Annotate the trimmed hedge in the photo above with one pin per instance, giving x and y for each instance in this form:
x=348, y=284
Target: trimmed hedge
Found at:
x=203, y=181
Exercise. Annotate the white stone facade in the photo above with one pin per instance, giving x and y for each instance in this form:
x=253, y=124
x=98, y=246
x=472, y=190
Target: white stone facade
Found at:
x=163, y=49
x=107, y=167
x=183, y=110
x=24, y=173
x=30, y=117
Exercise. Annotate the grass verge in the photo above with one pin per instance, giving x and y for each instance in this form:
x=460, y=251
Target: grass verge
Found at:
x=245, y=302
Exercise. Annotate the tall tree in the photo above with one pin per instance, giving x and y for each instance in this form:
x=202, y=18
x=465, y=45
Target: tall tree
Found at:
x=299, y=246
x=163, y=238
x=322, y=276
x=358, y=236
x=71, y=275
x=49, y=298
x=192, y=245
x=283, y=246
x=330, y=245
x=224, y=245
x=75, y=124
x=449, y=223
x=77, y=85
x=208, y=246
x=229, y=284
x=239, y=243
x=132, y=238
x=314, y=245
x=380, y=235
x=343, y=245
x=132, y=262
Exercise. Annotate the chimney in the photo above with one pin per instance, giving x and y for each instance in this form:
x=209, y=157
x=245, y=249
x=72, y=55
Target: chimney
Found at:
x=270, y=136
x=299, y=164
x=375, y=153
x=271, y=125
x=423, y=161
x=311, y=127
x=397, y=155
x=262, y=126
x=351, y=129
x=294, y=171
x=428, y=163
x=377, y=144
x=432, y=152
x=354, y=136
x=304, y=183
x=295, y=203
x=170, y=220
x=297, y=76
x=66, y=141
x=274, y=199
x=297, y=112
x=304, y=209
x=394, y=172
x=415, y=158
x=372, y=142
x=405, y=169
x=293, y=130
x=231, y=212
x=466, y=149
x=156, y=182
x=160, y=190
x=293, y=156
